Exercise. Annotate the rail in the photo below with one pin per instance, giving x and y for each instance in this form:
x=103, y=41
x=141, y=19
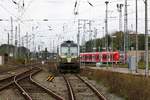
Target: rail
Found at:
x=100, y=96
x=47, y=90
x=71, y=93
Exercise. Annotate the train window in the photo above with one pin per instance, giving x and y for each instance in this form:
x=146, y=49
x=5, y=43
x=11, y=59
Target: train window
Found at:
x=73, y=51
x=90, y=56
x=93, y=57
x=111, y=56
x=97, y=56
x=64, y=50
x=86, y=57
x=100, y=56
x=104, y=56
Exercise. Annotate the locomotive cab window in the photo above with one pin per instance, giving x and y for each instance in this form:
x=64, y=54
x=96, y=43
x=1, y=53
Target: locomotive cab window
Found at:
x=73, y=51
x=69, y=51
x=64, y=51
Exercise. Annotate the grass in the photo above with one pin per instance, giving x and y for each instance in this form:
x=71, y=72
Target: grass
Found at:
x=141, y=65
x=128, y=86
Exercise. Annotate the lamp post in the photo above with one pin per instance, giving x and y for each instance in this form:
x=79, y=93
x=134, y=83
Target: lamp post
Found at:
x=136, y=16
x=112, y=50
x=125, y=31
x=146, y=40
x=95, y=35
x=106, y=29
x=119, y=7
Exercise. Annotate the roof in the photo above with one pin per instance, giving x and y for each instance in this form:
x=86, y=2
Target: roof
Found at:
x=69, y=43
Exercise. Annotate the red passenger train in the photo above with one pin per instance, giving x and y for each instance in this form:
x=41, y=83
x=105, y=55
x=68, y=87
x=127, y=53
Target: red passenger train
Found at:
x=104, y=57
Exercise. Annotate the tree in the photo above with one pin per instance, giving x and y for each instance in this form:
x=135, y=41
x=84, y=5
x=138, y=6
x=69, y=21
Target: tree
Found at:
x=118, y=42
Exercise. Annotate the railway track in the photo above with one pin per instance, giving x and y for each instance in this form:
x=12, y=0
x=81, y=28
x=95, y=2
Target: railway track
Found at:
x=32, y=90
x=79, y=89
x=53, y=94
x=8, y=89
x=70, y=89
x=6, y=82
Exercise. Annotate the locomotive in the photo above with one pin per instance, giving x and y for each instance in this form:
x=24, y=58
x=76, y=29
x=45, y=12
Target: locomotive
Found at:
x=68, y=59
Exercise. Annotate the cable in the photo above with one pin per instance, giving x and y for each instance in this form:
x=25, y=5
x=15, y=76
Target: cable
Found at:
x=29, y=4
x=7, y=10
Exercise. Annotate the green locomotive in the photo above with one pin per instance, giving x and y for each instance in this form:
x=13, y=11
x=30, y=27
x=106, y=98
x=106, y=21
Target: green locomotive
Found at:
x=69, y=60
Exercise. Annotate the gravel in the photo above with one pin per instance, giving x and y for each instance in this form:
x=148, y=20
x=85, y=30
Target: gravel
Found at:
x=34, y=91
x=11, y=94
x=82, y=92
x=103, y=90
x=57, y=85
x=12, y=72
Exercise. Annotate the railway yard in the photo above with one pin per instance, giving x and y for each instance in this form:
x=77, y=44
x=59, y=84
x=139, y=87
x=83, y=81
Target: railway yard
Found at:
x=74, y=50
x=32, y=83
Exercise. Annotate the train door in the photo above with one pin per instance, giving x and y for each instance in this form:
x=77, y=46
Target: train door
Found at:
x=93, y=57
x=100, y=57
x=104, y=57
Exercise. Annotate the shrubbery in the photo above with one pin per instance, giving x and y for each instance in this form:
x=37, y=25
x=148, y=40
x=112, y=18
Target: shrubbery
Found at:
x=129, y=86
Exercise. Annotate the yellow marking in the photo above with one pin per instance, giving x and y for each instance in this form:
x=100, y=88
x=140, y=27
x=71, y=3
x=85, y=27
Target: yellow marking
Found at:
x=50, y=78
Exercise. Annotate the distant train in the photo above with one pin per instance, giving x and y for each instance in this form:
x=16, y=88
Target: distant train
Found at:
x=68, y=57
x=104, y=57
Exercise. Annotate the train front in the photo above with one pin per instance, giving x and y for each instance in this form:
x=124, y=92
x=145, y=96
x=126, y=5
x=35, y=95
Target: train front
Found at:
x=68, y=57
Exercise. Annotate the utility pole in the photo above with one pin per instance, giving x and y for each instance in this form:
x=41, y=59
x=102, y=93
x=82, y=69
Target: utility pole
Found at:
x=27, y=45
x=136, y=7
x=78, y=37
x=16, y=42
x=8, y=38
x=103, y=42
x=11, y=30
x=33, y=44
x=19, y=44
x=146, y=40
x=53, y=48
x=90, y=34
x=84, y=41
x=84, y=32
x=11, y=36
x=119, y=6
x=125, y=32
x=8, y=44
x=106, y=29
x=95, y=35
x=22, y=41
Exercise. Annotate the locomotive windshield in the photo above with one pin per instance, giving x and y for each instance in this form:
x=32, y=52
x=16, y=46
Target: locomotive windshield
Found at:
x=69, y=51
x=73, y=51
x=64, y=50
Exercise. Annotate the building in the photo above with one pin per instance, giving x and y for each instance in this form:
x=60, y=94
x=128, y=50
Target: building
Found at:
x=1, y=59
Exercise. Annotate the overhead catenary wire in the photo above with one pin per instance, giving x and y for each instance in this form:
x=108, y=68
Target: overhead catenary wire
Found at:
x=8, y=11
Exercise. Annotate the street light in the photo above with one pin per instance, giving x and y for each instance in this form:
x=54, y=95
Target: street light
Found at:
x=146, y=39
x=106, y=29
x=112, y=49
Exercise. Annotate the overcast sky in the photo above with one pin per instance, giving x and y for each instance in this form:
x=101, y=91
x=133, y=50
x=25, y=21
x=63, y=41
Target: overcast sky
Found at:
x=62, y=22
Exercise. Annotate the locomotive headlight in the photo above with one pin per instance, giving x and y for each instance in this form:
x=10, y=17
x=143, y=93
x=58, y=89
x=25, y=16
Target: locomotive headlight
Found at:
x=63, y=59
x=74, y=59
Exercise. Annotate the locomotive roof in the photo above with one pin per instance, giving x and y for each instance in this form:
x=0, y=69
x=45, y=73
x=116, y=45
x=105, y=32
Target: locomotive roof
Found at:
x=71, y=43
